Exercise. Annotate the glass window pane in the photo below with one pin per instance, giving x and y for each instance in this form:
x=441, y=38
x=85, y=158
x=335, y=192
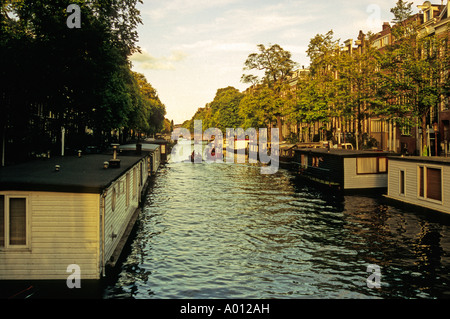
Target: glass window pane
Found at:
x=402, y=182
x=17, y=221
x=2, y=220
x=434, y=185
x=421, y=181
x=382, y=165
x=366, y=165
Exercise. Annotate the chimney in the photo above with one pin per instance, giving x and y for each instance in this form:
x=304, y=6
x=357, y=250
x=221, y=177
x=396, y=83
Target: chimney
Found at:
x=114, y=162
x=138, y=148
x=386, y=25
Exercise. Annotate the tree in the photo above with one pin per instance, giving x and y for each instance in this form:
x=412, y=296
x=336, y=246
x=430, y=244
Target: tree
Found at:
x=225, y=108
x=79, y=76
x=402, y=12
x=277, y=65
x=412, y=75
x=258, y=108
x=275, y=62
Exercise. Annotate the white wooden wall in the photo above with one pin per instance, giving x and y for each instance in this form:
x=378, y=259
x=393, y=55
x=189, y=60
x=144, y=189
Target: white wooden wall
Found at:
x=117, y=221
x=411, y=182
x=354, y=181
x=63, y=229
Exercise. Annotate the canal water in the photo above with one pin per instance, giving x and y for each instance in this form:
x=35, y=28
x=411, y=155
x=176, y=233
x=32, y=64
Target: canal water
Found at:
x=228, y=231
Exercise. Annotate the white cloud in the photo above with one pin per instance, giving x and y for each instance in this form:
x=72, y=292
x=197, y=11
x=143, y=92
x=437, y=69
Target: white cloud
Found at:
x=159, y=10
x=148, y=62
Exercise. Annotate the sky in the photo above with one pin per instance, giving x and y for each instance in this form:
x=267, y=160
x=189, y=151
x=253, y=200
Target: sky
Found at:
x=192, y=48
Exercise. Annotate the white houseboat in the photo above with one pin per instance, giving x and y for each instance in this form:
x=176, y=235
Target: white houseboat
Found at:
x=343, y=169
x=421, y=181
x=68, y=210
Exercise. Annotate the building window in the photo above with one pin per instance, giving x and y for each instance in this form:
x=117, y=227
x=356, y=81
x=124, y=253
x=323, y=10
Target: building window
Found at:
x=13, y=221
x=406, y=130
x=430, y=183
x=402, y=182
x=376, y=126
x=371, y=165
x=304, y=160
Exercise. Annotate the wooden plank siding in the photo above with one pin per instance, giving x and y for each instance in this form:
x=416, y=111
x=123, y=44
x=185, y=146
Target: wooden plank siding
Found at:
x=63, y=229
x=411, y=184
x=354, y=181
x=117, y=220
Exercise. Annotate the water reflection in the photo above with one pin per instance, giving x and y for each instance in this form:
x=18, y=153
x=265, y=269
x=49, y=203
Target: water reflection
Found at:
x=227, y=231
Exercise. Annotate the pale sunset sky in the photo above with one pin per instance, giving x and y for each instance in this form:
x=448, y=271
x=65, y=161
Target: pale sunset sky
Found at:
x=191, y=48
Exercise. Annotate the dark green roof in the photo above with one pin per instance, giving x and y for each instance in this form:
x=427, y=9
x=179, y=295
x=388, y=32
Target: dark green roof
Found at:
x=437, y=160
x=342, y=152
x=77, y=174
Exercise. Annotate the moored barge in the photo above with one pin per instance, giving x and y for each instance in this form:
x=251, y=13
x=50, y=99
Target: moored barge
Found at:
x=343, y=169
x=69, y=210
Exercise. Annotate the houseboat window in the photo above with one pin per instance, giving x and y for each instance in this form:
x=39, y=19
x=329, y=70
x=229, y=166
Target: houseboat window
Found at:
x=366, y=165
x=402, y=182
x=434, y=183
x=430, y=183
x=134, y=182
x=2, y=220
x=371, y=165
x=316, y=160
x=13, y=214
x=304, y=160
x=17, y=221
x=140, y=174
x=421, y=181
x=113, y=199
x=382, y=164
x=127, y=191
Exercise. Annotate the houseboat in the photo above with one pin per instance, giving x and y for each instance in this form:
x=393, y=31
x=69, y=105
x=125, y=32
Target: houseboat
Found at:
x=67, y=210
x=286, y=155
x=343, y=169
x=154, y=151
x=421, y=181
x=164, y=144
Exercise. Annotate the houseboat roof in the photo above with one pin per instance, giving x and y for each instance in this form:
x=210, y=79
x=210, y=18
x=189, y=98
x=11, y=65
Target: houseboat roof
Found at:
x=438, y=160
x=83, y=174
x=145, y=147
x=342, y=152
x=286, y=146
x=154, y=141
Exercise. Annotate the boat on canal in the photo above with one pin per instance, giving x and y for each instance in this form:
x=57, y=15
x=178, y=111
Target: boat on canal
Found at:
x=421, y=181
x=341, y=168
